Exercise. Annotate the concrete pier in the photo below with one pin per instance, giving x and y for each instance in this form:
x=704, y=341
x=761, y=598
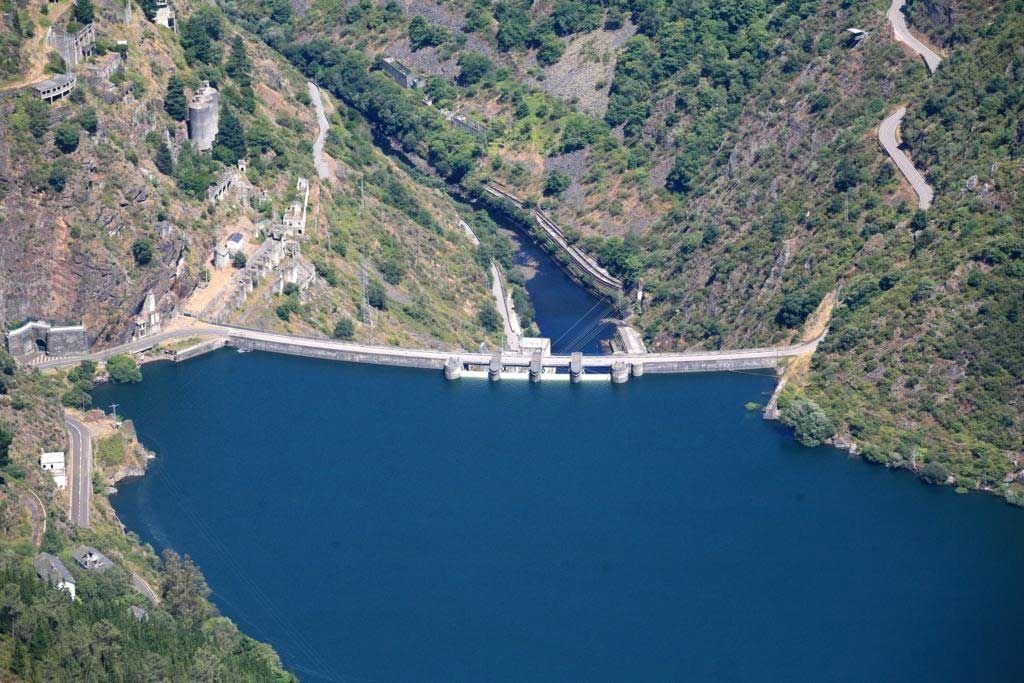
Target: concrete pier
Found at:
x=576, y=368
x=453, y=368
x=620, y=372
x=494, y=369
x=637, y=369
x=536, y=367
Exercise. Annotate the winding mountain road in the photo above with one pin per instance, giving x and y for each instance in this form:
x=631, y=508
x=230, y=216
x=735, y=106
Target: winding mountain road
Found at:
x=81, y=471
x=887, y=136
x=903, y=35
x=322, y=169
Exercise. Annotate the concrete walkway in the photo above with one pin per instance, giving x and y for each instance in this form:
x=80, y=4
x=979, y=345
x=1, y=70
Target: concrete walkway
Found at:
x=322, y=169
x=887, y=136
x=903, y=35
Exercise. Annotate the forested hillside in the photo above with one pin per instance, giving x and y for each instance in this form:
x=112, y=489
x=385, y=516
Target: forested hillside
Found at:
x=725, y=154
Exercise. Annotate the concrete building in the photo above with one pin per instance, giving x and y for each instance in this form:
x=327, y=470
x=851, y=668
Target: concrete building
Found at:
x=529, y=345
x=56, y=88
x=90, y=558
x=51, y=570
x=38, y=336
x=235, y=243
x=165, y=15
x=294, y=220
x=221, y=257
x=203, y=115
x=75, y=47
x=401, y=74
x=103, y=68
x=149, y=320
x=53, y=463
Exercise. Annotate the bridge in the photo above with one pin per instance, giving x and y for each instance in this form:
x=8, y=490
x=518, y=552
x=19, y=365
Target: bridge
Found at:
x=599, y=278
x=454, y=363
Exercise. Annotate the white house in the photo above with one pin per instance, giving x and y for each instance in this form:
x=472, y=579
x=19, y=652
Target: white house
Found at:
x=54, y=464
x=235, y=242
x=52, y=570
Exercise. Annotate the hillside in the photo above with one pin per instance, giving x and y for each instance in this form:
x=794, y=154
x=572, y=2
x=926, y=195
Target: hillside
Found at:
x=726, y=155
x=113, y=202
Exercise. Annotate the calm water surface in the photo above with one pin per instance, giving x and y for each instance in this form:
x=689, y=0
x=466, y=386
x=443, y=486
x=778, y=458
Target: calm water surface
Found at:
x=380, y=524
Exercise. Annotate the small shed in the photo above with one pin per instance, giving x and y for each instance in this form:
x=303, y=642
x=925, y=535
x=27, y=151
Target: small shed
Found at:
x=235, y=242
x=92, y=559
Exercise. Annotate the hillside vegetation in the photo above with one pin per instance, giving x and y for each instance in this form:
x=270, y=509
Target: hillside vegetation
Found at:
x=729, y=161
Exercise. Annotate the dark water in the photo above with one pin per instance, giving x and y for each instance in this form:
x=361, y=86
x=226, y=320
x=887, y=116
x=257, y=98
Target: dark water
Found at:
x=566, y=313
x=380, y=524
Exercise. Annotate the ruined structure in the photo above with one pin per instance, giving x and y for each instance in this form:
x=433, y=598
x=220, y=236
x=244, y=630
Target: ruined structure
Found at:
x=165, y=15
x=72, y=47
x=41, y=337
x=294, y=220
x=56, y=88
x=401, y=74
x=53, y=464
x=203, y=113
x=104, y=67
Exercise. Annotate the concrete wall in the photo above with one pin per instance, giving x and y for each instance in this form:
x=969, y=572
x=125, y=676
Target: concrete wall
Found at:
x=59, y=341
x=334, y=354
x=199, y=349
x=717, y=365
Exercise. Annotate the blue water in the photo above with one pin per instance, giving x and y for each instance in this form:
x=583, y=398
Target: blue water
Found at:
x=381, y=524
x=569, y=315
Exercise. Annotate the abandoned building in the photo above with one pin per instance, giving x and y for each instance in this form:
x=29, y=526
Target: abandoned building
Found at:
x=53, y=464
x=90, y=558
x=221, y=258
x=401, y=74
x=56, y=88
x=38, y=336
x=51, y=570
x=165, y=15
x=72, y=47
x=149, y=320
x=103, y=68
x=294, y=219
x=203, y=117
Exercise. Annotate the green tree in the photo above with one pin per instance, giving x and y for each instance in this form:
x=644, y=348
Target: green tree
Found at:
x=556, y=183
x=88, y=120
x=164, y=161
x=66, y=138
x=6, y=438
x=474, y=67
x=549, y=49
x=123, y=369
x=809, y=422
x=84, y=12
x=489, y=318
x=142, y=251
x=230, y=145
x=934, y=473
x=376, y=296
x=344, y=329
x=148, y=8
x=184, y=590
x=238, y=66
x=238, y=260
x=174, y=101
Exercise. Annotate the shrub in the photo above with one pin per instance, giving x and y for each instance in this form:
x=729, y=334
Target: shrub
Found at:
x=556, y=183
x=123, y=369
x=344, y=329
x=239, y=260
x=66, y=138
x=473, y=68
x=142, y=251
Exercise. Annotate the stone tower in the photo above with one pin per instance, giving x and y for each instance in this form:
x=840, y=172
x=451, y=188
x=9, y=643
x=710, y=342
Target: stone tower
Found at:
x=202, y=117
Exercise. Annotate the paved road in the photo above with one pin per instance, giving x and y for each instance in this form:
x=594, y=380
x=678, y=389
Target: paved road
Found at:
x=887, y=136
x=139, y=584
x=322, y=169
x=81, y=471
x=903, y=35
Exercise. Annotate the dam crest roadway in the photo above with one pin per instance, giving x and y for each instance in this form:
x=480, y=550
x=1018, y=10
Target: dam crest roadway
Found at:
x=536, y=365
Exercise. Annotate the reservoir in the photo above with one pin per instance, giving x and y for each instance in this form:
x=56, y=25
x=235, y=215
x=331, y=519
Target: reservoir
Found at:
x=381, y=524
